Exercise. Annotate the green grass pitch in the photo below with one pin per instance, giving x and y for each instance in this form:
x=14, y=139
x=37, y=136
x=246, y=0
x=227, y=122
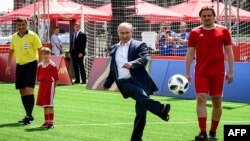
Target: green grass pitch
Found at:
x=95, y=115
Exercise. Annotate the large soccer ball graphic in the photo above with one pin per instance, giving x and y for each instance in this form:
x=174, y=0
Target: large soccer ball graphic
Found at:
x=178, y=84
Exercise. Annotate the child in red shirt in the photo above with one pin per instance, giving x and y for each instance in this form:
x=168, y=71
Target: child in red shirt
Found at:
x=47, y=75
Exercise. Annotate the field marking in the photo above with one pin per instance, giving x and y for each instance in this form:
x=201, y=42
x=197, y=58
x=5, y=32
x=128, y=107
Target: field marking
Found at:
x=131, y=123
x=157, y=97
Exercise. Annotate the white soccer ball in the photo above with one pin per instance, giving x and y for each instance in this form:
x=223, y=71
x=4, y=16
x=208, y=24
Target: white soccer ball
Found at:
x=178, y=84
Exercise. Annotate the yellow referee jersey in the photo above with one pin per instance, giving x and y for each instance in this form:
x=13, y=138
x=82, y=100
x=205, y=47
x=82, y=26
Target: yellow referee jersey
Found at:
x=26, y=47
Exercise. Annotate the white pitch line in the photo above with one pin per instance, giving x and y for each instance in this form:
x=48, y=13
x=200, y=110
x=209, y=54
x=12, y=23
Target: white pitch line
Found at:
x=130, y=123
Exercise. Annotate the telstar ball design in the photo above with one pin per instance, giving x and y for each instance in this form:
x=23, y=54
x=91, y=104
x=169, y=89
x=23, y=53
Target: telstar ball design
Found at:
x=178, y=84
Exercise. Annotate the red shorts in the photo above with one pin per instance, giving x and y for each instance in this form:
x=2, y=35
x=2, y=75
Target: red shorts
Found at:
x=46, y=94
x=212, y=85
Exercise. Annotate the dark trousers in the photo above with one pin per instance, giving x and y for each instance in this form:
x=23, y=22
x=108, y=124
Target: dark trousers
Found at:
x=143, y=103
x=78, y=67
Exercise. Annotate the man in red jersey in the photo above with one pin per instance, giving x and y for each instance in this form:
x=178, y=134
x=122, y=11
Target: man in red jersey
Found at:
x=209, y=44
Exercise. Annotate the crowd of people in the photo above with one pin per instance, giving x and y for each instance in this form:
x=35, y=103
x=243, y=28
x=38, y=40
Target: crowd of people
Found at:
x=127, y=69
x=171, y=43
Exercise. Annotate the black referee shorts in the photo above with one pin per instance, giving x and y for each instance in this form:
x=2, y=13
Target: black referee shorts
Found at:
x=26, y=75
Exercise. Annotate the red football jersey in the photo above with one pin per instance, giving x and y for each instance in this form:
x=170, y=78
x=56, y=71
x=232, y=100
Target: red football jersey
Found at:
x=46, y=75
x=209, y=46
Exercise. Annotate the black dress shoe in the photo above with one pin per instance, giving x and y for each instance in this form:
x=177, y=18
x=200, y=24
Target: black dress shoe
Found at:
x=164, y=113
x=76, y=82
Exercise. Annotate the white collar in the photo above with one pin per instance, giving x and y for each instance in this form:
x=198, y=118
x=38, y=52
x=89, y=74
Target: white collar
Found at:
x=127, y=43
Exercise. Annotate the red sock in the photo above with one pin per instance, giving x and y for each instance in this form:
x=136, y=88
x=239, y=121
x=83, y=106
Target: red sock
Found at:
x=46, y=116
x=202, y=123
x=51, y=115
x=214, y=125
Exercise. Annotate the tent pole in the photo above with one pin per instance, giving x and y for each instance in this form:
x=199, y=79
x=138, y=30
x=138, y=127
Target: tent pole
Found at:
x=218, y=12
x=82, y=18
x=238, y=21
x=48, y=22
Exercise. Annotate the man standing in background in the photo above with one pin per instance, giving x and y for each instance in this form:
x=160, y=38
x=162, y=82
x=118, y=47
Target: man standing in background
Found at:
x=78, y=42
x=56, y=43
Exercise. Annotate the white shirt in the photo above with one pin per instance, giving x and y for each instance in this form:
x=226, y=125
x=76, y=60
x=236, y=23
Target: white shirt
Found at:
x=76, y=34
x=55, y=40
x=121, y=58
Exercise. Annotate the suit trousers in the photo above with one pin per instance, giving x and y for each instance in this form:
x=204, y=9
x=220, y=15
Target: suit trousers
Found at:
x=78, y=67
x=143, y=103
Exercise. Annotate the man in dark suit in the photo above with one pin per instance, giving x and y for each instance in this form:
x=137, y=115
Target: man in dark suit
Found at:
x=78, y=42
x=128, y=60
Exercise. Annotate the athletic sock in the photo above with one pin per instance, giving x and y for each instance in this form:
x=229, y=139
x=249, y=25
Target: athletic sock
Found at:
x=214, y=125
x=47, y=118
x=30, y=104
x=24, y=101
x=51, y=117
x=202, y=123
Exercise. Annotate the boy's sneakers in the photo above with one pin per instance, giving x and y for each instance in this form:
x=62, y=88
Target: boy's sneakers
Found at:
x=212, y=135
x=50, y=126
x=47, y=126
x=164, y=113
x=43, y=126
x=26, y=120
x=201, y=137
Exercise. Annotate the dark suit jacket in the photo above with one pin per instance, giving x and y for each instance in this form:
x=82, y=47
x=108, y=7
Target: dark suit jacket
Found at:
x=138, y=57
x=79, y=44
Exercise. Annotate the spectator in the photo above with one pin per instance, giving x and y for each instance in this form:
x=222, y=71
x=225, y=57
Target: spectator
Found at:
x=77, y=52
x=165, y=38
x=181, y=40
x=57, y=48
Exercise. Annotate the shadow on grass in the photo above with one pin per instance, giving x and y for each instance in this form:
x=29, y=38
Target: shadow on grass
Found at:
x=227, y=107
x=35, y=129
x=11, y=125
x=176, y=98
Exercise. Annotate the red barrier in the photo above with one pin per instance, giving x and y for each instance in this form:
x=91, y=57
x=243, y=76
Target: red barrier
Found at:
x=64, y=77
x=4, y=49
x=168, y=57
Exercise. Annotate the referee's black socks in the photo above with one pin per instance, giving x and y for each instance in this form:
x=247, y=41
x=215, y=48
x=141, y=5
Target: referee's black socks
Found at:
x=30, y=99
x=24, y=101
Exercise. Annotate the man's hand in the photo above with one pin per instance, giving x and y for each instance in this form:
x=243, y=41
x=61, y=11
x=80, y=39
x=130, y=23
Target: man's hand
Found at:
x=80, y=55
x=189, y=78
x=126, y=65
x=229, y=78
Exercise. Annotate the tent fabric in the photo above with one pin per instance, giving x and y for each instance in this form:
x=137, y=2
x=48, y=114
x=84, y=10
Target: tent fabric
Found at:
x=58, y=9
x=150, y=12
x=191, y=8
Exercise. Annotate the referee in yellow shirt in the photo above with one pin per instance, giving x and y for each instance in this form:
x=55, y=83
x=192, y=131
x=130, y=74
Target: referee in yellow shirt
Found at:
x=25, y=46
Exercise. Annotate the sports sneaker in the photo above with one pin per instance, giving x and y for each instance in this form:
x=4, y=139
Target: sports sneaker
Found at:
x=212, y=135
x=43, y=126
x=201, y=137
x=164, y=113
x=50, y=126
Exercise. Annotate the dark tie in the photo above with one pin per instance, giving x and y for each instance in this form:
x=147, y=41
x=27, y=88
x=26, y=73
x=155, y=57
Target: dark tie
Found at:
x=74, y=40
